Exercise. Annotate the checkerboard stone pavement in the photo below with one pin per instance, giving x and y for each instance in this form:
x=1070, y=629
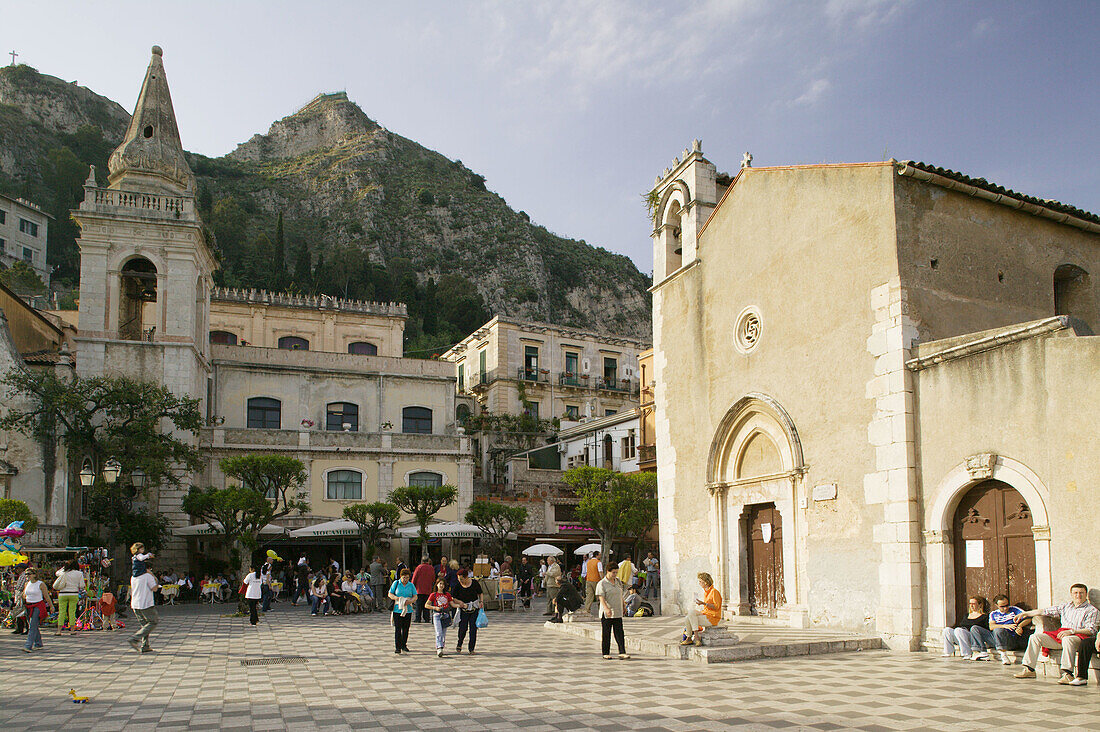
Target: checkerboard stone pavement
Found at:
x=524, y=677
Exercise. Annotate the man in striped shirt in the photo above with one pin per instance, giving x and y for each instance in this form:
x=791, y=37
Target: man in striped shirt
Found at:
x=1079, y=621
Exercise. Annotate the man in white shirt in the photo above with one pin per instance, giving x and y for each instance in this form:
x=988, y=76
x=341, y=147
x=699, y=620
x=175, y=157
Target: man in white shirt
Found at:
x=1079, y=622
x=142, y=602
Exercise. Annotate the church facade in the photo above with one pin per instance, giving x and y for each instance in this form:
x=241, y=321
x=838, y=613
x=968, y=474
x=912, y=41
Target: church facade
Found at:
x=876, y=392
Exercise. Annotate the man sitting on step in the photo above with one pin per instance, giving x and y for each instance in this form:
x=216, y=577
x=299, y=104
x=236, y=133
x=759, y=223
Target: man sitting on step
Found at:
x=705, y=614
x=1079, y=622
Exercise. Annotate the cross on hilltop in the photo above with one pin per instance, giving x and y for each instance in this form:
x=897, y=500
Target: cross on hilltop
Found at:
x=13, y=54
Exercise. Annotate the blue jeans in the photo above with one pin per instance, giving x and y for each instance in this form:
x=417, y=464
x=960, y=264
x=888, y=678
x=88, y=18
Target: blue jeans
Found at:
x=34, y=636
x=981, y=638
x=266, y=594
x=318, y=603
x=440, y=631
x=1007, y=640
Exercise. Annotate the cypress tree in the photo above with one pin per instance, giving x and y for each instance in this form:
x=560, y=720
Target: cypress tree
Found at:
x=279, y=279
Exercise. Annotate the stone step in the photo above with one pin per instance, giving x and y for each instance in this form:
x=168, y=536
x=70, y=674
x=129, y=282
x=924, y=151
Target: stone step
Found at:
x=721, y=635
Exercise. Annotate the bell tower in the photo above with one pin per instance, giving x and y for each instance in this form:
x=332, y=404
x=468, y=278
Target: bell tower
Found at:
x=682, y=198
x=145, y=263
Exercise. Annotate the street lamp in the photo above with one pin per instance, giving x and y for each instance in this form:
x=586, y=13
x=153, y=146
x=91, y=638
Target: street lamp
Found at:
x=137, y=478
x=87, y=475
x=111, y=470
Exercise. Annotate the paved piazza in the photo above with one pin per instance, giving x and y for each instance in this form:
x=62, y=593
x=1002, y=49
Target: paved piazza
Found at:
x=524, y=677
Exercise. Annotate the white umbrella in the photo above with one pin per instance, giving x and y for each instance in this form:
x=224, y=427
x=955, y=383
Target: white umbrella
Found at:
x=339, y=527
x=586, y=549
x=448, y=530
x=543, y=550
x=216, y=528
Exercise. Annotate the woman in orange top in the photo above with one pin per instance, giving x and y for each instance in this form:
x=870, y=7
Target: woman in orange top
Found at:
x=706, y=614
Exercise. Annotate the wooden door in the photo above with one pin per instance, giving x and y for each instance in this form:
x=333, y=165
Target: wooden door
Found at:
x=765, y=560
x=994, y=546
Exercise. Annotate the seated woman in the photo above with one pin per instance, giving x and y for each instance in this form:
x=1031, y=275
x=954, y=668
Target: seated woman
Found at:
x=706, y=613
x=318, y=595
x=959, y=634
x=336, y=596
x=347, y=588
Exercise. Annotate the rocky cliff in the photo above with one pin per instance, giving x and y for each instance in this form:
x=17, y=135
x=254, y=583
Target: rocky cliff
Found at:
x=342, y=206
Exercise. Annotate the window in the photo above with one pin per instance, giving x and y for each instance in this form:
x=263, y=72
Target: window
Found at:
x=610, y=370
x=264, y=413
x=629, y=448
x=423, y=477
x=531, y=363
x=416, y=420
x=609, y=412
x=363, y=348
x=28, y=227
x=571, y=362
x=340, y=414
x=481, y=365
x=223, y=337
x=28, y=255
x=572, y=412
x=3, y=216
x=531, y=409
x=344, y=485
x=3, y=246
x=462, y=413
x=565, y=513
x=293, y=343
x=462, y=376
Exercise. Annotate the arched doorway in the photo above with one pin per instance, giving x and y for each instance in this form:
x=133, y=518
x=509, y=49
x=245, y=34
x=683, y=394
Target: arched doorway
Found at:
x=754, y=471
x=994, y=546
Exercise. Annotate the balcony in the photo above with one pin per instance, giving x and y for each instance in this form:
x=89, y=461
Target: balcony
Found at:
x=647, y=454
x=533, y=375
x=624, y=386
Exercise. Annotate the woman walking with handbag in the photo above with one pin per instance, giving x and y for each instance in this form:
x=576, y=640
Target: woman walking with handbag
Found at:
x=441, y=604
x=39, y=604
x=403, y=594
x=468, y=594
x=69, y=583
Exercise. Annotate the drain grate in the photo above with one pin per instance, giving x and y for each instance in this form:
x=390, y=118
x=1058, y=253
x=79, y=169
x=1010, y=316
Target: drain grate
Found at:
x=274, y=661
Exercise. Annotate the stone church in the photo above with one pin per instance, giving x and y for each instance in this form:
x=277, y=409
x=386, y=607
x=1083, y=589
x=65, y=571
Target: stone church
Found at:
x=877, y=389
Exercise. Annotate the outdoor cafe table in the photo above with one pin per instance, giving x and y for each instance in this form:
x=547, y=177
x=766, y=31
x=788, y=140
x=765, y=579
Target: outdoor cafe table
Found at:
x=490, y=588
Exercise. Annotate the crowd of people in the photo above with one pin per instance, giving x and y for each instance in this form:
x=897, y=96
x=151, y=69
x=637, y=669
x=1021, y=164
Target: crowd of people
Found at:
x=1008, y=629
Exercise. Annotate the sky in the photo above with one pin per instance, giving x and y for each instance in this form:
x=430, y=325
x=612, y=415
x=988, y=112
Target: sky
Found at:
x=570, y=108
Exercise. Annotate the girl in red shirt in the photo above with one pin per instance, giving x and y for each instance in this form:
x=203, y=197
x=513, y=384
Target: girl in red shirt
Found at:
x=441, y=604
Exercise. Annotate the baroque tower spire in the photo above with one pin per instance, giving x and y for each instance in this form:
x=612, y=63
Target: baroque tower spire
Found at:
x=150, y=158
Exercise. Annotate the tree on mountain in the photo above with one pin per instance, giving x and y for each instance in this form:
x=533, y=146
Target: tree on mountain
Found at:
x=303, y=272
x=280, y=278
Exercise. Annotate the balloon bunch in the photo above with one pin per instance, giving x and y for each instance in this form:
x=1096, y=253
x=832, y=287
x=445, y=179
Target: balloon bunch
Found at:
x=274, y=556
x=8, y=534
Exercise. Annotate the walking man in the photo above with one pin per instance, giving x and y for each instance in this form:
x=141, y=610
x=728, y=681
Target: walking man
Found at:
x=142, y=593
x=593, y=573
x=1079, y=622
x=267, y=573
x=424, y=579
x=652, y=567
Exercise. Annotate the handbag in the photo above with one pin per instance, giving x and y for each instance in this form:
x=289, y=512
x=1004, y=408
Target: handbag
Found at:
x=445, y=620
x=482, y=619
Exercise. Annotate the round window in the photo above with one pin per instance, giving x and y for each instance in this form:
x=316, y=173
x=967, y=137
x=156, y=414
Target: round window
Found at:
x=747, y=334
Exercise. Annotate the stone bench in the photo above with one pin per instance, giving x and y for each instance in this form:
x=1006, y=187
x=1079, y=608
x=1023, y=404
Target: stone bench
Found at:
x=719, y=635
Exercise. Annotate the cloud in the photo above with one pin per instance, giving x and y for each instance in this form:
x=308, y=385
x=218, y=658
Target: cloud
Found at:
x=982, y=28
x=587, y=45
x=863, y=15
x=813, y=94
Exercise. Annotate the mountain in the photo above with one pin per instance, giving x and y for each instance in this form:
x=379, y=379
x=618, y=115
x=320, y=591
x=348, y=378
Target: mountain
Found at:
x=345, y=206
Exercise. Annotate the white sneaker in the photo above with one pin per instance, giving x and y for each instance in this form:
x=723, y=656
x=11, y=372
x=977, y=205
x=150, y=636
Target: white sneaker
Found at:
x=947, y=655
x=439, y=652
x=1079, y=682
x=1005, y=660
x=980, y=656
x=1065, y=679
